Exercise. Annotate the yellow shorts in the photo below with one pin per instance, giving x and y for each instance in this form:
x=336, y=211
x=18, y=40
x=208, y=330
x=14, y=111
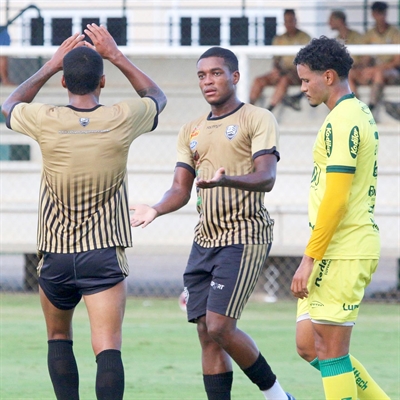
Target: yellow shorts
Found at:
x=336, y=288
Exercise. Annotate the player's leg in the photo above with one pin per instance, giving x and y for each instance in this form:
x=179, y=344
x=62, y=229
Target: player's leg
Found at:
x=58, y=313
x=106, y=311
x=280, y=90
x=216, y=365
x=235, y=275
x=101, y=276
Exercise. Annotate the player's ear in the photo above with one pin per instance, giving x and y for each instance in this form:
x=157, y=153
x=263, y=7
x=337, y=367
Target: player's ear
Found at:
x=236, y=77
x=330, y=76
x=102, y=81
x=64, y=85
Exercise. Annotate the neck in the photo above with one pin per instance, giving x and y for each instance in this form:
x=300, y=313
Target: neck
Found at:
x=225, y=108
x=338, y=92
x=85, y=101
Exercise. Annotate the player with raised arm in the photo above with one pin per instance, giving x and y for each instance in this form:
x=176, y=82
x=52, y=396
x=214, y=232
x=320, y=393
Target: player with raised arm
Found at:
x=83, y=226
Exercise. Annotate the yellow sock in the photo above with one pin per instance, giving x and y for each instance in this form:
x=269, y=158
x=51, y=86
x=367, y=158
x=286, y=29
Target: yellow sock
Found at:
x=338, y=379
x=367, y=388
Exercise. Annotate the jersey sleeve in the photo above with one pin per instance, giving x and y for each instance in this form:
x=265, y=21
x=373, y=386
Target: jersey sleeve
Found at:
x=342, y=140
x=25, y=118
x=184, y=153
x=265, y=133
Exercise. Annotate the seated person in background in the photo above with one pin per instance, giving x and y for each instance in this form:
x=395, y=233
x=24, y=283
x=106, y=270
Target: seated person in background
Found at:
x=284, y=72
x=337, y=22
x=381, y=69
x=4, y=41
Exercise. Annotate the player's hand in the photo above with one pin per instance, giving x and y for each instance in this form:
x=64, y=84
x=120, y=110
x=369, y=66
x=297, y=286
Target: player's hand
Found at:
x=67, y=45
x=301, y=276
x=215, y=181
x=102, y=40
x=142, y=215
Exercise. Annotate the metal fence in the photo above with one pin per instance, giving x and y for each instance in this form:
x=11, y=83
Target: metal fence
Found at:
x=161, y=275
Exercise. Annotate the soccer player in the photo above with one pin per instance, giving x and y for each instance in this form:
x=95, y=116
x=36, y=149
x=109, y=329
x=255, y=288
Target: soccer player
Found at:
x=343, y=250
x=283, y=73
x=83, y=226
x=231, y=153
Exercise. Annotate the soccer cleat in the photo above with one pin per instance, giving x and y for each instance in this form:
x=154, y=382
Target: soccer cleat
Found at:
x=289, y=396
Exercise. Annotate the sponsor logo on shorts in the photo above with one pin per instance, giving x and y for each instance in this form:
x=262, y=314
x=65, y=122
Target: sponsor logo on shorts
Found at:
x=350, y=307
x=315, y=304
x=323, y=267
x=216, y=286
x=361, y=383
x=186, y=294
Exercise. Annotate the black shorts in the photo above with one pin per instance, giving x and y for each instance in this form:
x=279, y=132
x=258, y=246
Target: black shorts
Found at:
x=65, y=277
x=221, y=279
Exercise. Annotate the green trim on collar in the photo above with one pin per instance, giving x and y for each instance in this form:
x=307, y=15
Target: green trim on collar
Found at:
x=345, y=97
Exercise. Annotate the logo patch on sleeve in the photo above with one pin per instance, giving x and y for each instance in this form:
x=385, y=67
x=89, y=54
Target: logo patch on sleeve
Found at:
x=354, y=141
x=328, y=139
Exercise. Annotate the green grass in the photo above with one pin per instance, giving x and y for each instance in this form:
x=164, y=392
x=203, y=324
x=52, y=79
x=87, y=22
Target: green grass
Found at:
x=161, y=353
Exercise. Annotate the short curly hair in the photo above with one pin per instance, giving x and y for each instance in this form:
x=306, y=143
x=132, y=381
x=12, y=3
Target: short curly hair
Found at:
x=324, y=53
x=230, y=59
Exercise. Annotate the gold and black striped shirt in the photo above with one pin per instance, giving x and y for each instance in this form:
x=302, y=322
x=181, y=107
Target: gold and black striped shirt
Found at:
x=83, y=202
x=227, y=215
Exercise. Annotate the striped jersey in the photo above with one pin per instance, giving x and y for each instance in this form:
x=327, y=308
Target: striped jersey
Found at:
x=227, y=215
x=348, y=143
x=83, y=203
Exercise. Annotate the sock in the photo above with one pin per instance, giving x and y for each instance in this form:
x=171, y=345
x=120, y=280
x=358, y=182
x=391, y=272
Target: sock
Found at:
x=367, y=388
x=63, y=369
x=218, y=386
x=110, y=379
x=338, y=378
x=260, y=373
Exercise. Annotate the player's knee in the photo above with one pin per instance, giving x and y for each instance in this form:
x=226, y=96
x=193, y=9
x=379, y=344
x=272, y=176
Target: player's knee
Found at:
x=305, y=352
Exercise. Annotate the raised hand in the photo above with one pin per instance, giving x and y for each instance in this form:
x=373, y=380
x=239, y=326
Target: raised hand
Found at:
x=102, y=40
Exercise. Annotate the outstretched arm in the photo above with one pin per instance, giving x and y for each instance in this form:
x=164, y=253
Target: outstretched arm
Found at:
x=27, y=90
x=261, y=180
x=105, y=45
x=174, y=199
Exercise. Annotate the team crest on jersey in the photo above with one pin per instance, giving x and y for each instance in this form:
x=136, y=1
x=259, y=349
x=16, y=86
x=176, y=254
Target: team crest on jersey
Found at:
x=84, y=121
x=231, y=131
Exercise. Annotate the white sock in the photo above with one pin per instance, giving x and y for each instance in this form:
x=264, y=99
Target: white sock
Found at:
x=275, y=392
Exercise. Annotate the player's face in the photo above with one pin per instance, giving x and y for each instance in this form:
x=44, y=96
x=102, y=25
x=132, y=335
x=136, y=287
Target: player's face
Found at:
x=289, y=20
x=216, y=82
x=313, y=85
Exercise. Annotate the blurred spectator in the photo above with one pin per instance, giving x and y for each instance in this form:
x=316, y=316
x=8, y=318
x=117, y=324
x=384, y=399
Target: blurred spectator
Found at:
x=284, y=73
x=337, y=21
x=4, y=41
x=381, y=69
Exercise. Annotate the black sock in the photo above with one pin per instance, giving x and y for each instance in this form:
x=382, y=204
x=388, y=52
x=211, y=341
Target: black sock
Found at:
x=110, y=379
x=219, y=386
x=63, y=369
x=260, y=373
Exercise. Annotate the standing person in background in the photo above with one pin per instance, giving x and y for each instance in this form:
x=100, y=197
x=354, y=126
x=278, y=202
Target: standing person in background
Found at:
x=83, y=226
x=344, y=247
x=4, y=41
x=283, y=73
x=379, y=70
x=231, y=153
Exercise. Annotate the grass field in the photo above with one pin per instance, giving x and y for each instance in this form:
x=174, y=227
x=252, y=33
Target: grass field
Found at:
x=161, y=353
